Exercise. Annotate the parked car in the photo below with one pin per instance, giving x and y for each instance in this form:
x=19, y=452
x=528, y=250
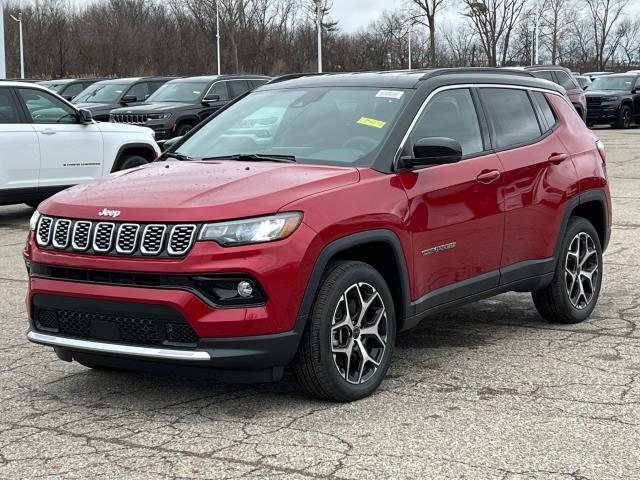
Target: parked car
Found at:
x=102, y=97
x=594, y=75
x=379, y=199
x=47, y=144
x=583, y=81
x=179, y=105
x=614, y=100
x=562, y=76
x=69, y=87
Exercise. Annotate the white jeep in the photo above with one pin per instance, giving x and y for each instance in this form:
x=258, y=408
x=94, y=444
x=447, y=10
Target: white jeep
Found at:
x=47, y=144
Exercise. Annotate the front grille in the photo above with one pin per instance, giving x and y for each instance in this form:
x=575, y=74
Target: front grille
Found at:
x=131, y=118
x=137, y=330
x=594, y=100
x=111, y=238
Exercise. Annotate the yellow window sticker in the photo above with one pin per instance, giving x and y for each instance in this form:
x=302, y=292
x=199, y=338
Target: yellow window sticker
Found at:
x=371, y=122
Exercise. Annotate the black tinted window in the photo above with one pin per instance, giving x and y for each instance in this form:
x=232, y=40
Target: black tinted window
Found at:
x=73, y=90
x=257, y=83
x=218, y=89
x=238, y=87
x=546, y=75
x=451, y=114
x=139, y=90
x=566, y=81
x=547, y=114
x=511, y=115
x=8, y=109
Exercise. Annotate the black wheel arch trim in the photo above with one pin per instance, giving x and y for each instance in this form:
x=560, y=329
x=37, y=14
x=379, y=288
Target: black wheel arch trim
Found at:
x=127, y=146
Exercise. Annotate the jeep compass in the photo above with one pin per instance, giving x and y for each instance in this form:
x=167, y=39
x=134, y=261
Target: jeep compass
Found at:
x=309, y=222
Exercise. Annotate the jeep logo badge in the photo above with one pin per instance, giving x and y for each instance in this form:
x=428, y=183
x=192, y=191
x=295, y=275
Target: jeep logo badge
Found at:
x=109, y=213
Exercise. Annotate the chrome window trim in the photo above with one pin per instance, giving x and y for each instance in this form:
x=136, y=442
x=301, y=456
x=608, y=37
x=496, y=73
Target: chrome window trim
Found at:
x=170, y=250
x=117, y=348
x=135, y=238
x=143, y=249
x=74, y=245
x=456, y=87
x=55, y=231
x=95, y=232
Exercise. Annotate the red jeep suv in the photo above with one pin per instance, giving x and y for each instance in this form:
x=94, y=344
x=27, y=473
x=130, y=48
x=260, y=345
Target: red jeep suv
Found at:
x=311, y=220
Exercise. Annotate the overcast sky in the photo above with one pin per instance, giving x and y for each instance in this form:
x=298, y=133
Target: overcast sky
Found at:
x=353, y=15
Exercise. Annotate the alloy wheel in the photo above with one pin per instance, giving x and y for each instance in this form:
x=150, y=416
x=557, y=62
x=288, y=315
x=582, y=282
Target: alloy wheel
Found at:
x=627, y=119
x=581, y=270
x=359, y=333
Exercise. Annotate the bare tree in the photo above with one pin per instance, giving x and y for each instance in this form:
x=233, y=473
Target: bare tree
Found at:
x=604, y=16
x=429, y=9
x=629, y=33
x=494, y=21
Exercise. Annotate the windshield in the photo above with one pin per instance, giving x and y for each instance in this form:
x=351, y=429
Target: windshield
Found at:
x=53, y=86
x=188, y=92
x=101, y=93
x=335, y=126
x=612, y=83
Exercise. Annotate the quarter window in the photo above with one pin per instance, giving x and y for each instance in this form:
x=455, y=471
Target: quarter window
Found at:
x=451, y=114
x=45, y=108
x=511, y=115
x=543, y=104
x=8, y=110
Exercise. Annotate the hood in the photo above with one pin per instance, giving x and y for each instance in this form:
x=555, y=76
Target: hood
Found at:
x=175, y=191
x=155, y=107
x=606, y=93
x=94, y=107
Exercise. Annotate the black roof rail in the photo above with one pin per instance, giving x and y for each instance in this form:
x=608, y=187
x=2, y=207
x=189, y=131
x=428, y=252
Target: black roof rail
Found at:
x=455, y=71
x=292, y=76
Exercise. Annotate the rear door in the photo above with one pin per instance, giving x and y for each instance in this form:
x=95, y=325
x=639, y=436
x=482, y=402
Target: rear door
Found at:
x=455, y=210
x=19, y=148
x=70, y=152
x=536, y=170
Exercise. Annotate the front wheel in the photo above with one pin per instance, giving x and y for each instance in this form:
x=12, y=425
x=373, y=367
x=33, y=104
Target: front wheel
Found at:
x=574, y=290
x=348, y=342
x=624, y=118
x=132, y=161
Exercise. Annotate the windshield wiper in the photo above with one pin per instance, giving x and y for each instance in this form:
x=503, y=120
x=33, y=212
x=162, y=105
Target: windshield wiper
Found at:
x=255, y=157
x=179, y=156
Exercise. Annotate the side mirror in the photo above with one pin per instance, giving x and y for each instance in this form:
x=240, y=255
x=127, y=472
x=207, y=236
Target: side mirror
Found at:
x=634, y=91
x=167, y=144
x=433, y=151
x=129, y=99
x=85, y=116
x=211, y=98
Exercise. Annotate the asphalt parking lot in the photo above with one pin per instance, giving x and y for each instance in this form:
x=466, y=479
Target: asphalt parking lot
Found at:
x=481, y=392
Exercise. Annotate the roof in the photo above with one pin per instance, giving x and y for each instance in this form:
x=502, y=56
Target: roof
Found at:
x=409, y=79
x=135, y=79
x=538, y=68
x=12, y=83
x=212, y=78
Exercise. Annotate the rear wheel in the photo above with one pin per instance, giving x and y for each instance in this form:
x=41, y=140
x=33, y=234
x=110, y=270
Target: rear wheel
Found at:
x=574, y=290
x=347, y=344
x=624, y=118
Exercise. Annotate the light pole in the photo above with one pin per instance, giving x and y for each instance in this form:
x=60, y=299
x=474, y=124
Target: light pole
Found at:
x=319, y=28
x=3, y=62
x=19, y=20
x=410, y=32
x=218, y=34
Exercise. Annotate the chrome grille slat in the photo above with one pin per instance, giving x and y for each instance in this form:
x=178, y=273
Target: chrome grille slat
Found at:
x=116, y=239
x=103, y=236
x=61, y=233
x=153, y=239
x=80, y=236
x=180, y=239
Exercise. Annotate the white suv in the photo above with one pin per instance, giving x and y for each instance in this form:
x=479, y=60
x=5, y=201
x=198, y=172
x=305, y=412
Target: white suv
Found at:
x=47, y=144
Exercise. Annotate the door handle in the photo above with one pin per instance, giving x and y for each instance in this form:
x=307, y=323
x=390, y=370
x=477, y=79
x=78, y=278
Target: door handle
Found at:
x=488, y=176
x=557, y=158
x=48, y=131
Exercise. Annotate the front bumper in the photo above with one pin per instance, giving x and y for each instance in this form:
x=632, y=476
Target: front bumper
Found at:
x=602, y=113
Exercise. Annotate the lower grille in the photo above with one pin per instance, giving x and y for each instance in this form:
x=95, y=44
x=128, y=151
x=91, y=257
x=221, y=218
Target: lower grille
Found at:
x=115, y=327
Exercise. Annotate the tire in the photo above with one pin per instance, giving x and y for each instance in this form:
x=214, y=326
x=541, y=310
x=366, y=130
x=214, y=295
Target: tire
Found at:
x=571, y=296
x=321, y=364
x=624, y=118
x=183, y=129
x=132, y=161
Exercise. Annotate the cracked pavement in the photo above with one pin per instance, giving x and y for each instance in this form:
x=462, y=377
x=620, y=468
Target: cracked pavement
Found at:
x=486, y=391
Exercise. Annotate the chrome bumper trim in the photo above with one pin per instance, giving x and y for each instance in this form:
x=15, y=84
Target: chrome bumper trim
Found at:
x=118, y=349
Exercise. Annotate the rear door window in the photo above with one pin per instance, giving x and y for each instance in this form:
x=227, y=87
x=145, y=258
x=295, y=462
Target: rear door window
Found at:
x=566, y=81
x=547, y=75
x=8, y=107
x=511, y=116
x=451, y=114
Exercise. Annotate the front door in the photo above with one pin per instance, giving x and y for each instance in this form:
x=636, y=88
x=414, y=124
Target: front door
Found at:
x=70, y=152
x=455, y=210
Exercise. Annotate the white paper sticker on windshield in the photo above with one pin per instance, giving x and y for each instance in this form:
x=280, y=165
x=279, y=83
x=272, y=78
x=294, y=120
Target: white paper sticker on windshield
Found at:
x=390, y=94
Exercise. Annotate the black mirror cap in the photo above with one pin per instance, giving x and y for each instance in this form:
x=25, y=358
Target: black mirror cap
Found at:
x=167, y=144
x=85, y=116
x=433, y=151
x=211, y=98
x=129, y=99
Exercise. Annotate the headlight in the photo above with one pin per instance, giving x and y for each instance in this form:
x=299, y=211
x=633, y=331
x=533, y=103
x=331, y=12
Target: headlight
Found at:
x=33, y=223
x=609, y=99
x=158, y=116
x=252, y=230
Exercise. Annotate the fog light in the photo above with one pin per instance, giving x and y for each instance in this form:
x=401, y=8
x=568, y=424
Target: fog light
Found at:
x=245, y=289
